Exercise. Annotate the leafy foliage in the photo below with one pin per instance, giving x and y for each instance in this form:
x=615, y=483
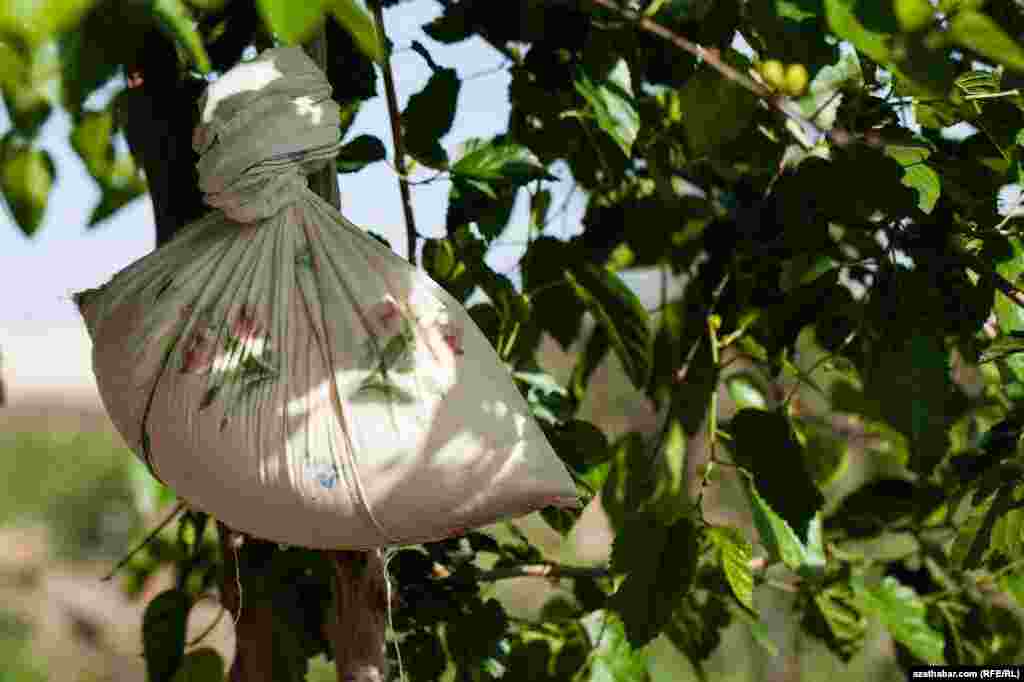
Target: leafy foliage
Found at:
x=845, y=352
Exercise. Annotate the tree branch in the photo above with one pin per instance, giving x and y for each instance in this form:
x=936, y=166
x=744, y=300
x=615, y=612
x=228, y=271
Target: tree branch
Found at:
x=711, y=57
x=396, y=134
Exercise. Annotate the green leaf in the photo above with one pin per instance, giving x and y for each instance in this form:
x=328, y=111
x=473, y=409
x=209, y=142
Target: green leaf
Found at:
x=117, y=176
x=429, y=116
x=581, y=446
x=496, y=161
x=903, y=613
x=453, y=26
x=354, y=18
x=832, y=616
x=620, y=312
x=975, y=536
x=594, y=352
x=715, y=112
x=540, y=203
x=472, y=202
x=293, y=22
x=28, y=105
x=612, y=104
x=359, y=153
x=695, y=628
x=548, y=400
x=26, y=176
x=661, y=564
x=914, y=15
x=1013, y=584
x=825, y=452
x=109, y=35
x=758, y=631
x=163, y=634
x=765, y=444
x=909, y=378
x=735, y=552
x=201, y=665
x=803, y=553
x=1009, y=263
x=91, y=140
x=917, y=175
x=175, y=18
x=628, y=484
x=614, y=658
x=669, y=499
x=852, y=21
x=30, y=23
x=882, y=504
x=555, y=304
x=745, y=391
x=980, y=33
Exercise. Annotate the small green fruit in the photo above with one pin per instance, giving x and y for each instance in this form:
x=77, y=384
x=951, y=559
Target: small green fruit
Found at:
x=913, y=15
x=773, y=73
x=796, y=80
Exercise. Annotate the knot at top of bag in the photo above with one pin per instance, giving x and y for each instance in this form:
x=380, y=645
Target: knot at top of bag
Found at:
x=264, y=125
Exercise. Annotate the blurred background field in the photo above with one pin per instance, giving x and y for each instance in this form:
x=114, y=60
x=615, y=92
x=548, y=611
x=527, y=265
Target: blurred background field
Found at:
x=73, y=500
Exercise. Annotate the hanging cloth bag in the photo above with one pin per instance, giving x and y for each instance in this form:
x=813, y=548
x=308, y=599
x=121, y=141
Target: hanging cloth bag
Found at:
x=287, y=373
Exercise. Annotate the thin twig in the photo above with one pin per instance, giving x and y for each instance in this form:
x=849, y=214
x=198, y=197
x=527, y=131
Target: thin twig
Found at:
x=550, y=571
x=396, y=135
x=554, y=571
x=149, y=538
x=775, y=101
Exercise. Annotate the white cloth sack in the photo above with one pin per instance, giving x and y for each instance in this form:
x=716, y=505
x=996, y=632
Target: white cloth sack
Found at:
x=287, y=373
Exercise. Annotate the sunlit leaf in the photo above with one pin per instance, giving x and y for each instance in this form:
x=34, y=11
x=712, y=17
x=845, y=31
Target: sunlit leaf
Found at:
x=293, y=22
x=745, y=392
x=918, y=175
x=499, y=162
x=846, y=19
x=614, y=658
x=903, y=613
x=980, y=33
x=612, y=105
x=176, y=19
x=33, y=22
x=357, y=21
x=669, y=499
x=766, y=445
x=26, y=176
x=803, y=552
x=735, y=554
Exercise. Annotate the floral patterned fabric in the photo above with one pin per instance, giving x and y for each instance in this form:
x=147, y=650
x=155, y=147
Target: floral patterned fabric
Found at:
x=295, y=378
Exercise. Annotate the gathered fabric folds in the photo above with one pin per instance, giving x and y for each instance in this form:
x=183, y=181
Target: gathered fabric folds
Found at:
x=285, y=372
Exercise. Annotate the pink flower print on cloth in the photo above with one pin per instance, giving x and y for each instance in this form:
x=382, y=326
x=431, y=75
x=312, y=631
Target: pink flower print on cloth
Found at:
x=241, y=359
x=403, y=335
x=385, y=317
x=199, y=354
x=452, y=334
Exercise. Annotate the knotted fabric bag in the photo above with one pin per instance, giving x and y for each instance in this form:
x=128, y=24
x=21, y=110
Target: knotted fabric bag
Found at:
x=287, y=373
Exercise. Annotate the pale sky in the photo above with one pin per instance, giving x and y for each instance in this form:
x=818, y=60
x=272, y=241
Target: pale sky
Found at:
x=43, y=340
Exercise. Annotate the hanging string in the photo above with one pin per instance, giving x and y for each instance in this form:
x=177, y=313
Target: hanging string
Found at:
x=388, y=556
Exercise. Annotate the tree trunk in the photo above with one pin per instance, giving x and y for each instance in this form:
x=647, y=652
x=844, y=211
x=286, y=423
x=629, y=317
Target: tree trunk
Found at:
x=357, y=628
